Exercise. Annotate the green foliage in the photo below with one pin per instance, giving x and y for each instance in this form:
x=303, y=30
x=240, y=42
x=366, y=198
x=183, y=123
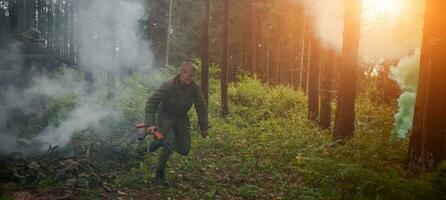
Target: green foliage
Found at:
x=247, y=191
x=57, y=108
x=267, y=148
x=268, y=138
x=48, y=181
x=279, y=102
x=6, y=198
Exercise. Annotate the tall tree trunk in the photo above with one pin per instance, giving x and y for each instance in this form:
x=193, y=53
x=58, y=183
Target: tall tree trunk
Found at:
x=30, y=13
x=13, y=18
x=58, y=29
x=40, y=17
x=151, y=21
x=241, y=43
x=50, y=25
x=4, y=27
x=303, y=47
x=428, y=139
x=76, y=28
x=169, y=27
x=345, y=112
x=298, y=63
x=294, y=77
x=274, y=51
x=66, y=33
x=224, y=61
x=313, y=79
x=250, y=35
x=326, y=86
x=72, y=29
x=21, y=16
x=305, y=62
x=205, y=51
x=254, y=35
x=268, y=52
x=278, y=51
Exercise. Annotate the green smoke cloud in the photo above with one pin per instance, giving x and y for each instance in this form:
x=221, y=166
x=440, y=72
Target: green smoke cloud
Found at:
x=404, y=117
x=406, y=75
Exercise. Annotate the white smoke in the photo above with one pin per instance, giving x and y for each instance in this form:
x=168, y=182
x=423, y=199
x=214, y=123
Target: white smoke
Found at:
x=84, y=116
x=19, y=101
x=15, y=97
x=327, y=16
x=111, y=41
x=406, y=72
x=109, y=36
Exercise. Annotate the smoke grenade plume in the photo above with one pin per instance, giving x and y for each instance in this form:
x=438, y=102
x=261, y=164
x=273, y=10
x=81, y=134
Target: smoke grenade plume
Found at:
x=109, y=34
x=328, y=21
x=110, y=37
x=82, y=117
x=384, y=35
x=406, y=75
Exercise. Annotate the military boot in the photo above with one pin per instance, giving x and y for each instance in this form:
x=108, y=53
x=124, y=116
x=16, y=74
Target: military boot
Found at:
x=155, y=145
x=159, y=178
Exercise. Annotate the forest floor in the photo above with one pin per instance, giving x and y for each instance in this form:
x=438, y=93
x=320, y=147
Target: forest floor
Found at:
x=265, y=149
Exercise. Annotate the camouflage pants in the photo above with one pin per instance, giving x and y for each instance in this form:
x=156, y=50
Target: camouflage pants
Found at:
x=177, y=133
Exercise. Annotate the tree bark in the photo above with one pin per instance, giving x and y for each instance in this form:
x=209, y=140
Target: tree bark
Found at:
x=72, y=33
x=268, y=52
x=66, y=34
x=253, y=34
x=30, y=14
x=151, y=21
x=250, y=34
x=427, y=145
x=169, y=27
x=50, y=25
x=241, y=61
x=4, y=27
x=313, y=80
x=305, y=61
x=205, y=51
x=326, y=87
x=58, y=28
x=40, y=23
x=13, y=18
x=345, y=112
x=224, y=61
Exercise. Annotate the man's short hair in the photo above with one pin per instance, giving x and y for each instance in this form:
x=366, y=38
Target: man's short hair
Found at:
x=188, y=66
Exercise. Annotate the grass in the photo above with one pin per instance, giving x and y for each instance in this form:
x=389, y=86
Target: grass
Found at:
x=267, y=149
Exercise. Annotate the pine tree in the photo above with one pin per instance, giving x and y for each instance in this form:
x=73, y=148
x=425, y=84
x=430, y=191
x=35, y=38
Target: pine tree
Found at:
x=205, y=51
x=427, y=145
x=313, y=79
x=224, y=61
x=345, y=112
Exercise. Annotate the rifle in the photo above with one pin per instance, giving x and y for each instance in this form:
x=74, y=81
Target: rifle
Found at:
x=157, y=134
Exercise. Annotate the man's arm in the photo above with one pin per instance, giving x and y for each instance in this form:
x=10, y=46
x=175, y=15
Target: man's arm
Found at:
x=153, y=103
x=201, y=107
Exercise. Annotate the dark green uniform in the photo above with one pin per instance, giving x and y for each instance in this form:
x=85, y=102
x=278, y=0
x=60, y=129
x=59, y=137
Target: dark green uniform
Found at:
x=167, y=108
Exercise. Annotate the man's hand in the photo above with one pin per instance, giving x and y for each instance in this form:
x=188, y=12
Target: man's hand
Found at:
x=204, y=134
x=150, y=129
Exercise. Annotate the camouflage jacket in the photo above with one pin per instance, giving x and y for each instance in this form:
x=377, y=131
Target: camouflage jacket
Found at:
x=175, y=100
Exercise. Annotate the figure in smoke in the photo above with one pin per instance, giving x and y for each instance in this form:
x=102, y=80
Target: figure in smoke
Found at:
x=167, y=109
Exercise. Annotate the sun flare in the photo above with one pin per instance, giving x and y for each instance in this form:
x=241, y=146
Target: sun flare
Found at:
x=390, y=8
